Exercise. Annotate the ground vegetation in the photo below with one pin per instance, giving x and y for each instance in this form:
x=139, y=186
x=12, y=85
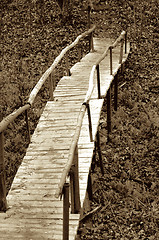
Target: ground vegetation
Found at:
x=31, y=37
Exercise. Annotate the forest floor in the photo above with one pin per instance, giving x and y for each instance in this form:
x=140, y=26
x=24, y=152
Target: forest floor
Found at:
x=127, y=193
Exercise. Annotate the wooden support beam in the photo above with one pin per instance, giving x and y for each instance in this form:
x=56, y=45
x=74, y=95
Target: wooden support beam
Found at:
x=74, y=178
x=3, y=202
x=89, y=16
x=126, y=43
x=66, y=211
x=116, y=92
x=90, y=122
x=121, y=54
x=27, y=125
x=89, y=187
x=76, y=183
x=79, y=52
x=99, y=153
x=67, y=65
x=111, y=60
x=51, y=86
x=98, y=82
x=109, y=111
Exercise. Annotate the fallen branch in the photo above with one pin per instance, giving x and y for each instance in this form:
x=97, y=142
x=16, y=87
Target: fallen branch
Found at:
x=90, y=213
x=122, y=85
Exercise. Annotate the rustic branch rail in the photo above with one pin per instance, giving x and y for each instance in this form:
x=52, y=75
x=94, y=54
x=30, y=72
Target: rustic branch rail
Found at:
x=74, y=145
x=71, y=168
x=55, y=63
x=81, y=116
x=11, y=117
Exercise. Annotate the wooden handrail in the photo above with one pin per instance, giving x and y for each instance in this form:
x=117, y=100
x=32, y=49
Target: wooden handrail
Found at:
x=119, y=39
x=91, y=85
x=71, y=152
x=55, y=63
x=11, y=117
x=77, y=134
x=103, y=56
x=81, y=116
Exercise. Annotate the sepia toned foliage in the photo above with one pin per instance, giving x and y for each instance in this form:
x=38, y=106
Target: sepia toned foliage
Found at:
x=127, y=195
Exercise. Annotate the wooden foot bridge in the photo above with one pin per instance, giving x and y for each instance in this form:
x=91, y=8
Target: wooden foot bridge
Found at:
x=46, y=199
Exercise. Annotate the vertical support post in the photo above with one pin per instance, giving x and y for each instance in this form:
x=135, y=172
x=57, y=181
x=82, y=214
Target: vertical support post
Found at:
x=91, y=45
x=93, y=160
x=121, y=55
x=109, y=111
x=3, y=202
x=89, y=16
x=98, y=81
x=89, y=187
x=67, y=65
x=121, y=52
x=51, y=88
x=126, y=43
x=116, y=92
x=89, y=121
x=134, y=19
x=75, y=194
x=111, y=60
x=72, y=190
x=76, y=182
x=66, y=211
x=99, y=153
x=27, y=125
x=79, y=52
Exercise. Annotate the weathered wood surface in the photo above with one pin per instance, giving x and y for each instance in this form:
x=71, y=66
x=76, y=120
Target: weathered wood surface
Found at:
x=33, y=211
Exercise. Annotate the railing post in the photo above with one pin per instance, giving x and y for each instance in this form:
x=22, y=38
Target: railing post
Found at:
x=126, y=43
x=51, y=88
x=79, y=52
x=3, y=201
x=111, y=60
x=27, y=125
x=89, y=187
x=99, y=153
x=121, y=55
x=91, y=45
x=74, y=179
x=98, y=81
x=121, y=52
x=116, y=92
x=67, y=65
x=89, y=16
x=66, y=211
x=89, y=121
x=109, y=111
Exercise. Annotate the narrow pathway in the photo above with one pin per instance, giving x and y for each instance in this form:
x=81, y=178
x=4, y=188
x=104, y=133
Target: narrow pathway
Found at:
x=34, y=212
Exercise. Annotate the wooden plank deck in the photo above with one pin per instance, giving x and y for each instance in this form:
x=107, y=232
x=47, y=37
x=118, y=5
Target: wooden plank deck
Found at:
x=33, y=211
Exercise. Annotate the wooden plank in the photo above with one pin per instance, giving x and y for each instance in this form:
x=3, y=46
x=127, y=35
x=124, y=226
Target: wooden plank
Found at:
x=34, y=213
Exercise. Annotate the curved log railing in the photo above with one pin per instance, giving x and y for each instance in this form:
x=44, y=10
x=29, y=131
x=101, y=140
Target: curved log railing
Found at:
x=11, y=117
x=71, y=168
x=82, y=112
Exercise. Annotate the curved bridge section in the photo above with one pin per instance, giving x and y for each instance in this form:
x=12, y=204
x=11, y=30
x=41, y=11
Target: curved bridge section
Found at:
x=59, y=157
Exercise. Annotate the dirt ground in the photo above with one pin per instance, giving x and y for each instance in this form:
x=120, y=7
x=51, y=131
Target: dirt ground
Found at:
x=127, y=193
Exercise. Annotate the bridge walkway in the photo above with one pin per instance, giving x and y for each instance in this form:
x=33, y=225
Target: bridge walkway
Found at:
x=33, y=211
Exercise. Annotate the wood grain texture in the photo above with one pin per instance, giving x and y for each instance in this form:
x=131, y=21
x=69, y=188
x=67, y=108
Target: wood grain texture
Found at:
x=33, y=211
